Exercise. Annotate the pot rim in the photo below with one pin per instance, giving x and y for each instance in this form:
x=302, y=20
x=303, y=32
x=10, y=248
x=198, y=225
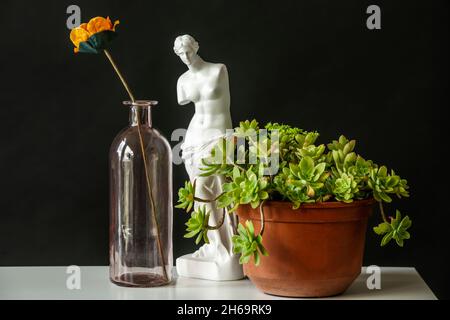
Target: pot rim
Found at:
x=324, y=204
x=321, y=212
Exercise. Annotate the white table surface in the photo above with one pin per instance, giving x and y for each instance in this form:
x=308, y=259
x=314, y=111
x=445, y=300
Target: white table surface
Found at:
x=50, y=283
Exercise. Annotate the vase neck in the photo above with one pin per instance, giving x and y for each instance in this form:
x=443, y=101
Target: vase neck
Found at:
x=141, y=112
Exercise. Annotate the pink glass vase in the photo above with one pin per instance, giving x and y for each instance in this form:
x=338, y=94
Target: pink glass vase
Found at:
x=140, y=202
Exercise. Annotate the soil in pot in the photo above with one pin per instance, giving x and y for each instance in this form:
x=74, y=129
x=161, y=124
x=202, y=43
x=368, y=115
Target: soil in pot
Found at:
x=314, y=251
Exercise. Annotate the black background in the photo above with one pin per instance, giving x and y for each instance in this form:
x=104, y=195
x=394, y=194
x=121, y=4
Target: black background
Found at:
x=308, y=63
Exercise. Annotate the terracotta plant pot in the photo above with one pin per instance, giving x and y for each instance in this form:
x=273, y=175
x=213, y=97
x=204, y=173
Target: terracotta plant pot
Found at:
x=314, y=251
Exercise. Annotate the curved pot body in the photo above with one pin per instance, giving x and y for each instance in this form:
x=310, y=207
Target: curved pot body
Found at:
x=314, y=251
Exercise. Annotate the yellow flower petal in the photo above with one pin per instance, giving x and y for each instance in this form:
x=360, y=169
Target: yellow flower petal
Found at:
x=115, y=24
x=108, y=20
x=86, y=30
x=79, y=34
x=99, y=24
x=83, y=26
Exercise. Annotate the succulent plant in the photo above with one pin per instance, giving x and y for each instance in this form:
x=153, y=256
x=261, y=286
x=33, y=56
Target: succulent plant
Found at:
x=396, y=229
x=244, y=188
x=186, y=197
x=312, y=151
x=306, y=173
x=197, y=225
x=345, y=188
x=248, y=244
x=302, y=182
x=246, y=128
x=290, y=140
x=342, y=153
x=383, y=184
x=220, y=158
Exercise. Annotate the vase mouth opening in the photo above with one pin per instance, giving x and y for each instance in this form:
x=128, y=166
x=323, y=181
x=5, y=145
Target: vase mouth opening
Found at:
x=140, y=103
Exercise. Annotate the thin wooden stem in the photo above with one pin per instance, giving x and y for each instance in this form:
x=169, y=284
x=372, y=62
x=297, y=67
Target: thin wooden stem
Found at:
x=125, y=84
x=152, y=202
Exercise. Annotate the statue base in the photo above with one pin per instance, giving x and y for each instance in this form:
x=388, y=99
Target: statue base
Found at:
x=202, y=268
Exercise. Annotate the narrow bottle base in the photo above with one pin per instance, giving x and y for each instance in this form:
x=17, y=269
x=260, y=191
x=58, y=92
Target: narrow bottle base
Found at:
x=140, y=280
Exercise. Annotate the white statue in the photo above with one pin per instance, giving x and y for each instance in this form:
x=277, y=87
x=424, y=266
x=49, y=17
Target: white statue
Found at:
x=206, y=85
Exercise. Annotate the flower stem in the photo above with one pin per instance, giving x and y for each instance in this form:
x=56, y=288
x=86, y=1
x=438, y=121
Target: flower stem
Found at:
x=152, y=203
x=144, y=158
x=125, y=84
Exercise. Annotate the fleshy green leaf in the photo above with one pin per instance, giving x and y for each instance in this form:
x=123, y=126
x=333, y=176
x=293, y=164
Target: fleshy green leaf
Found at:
x=247, y=244
x=387, y=237
x=382, y=228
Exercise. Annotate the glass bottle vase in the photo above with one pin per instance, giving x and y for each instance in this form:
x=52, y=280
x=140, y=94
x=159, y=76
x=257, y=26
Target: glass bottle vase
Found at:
x=140, y=202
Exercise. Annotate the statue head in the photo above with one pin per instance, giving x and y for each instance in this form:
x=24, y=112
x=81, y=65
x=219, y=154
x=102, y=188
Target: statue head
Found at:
x=186, y=48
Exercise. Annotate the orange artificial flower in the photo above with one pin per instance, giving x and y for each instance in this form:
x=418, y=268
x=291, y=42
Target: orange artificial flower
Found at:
x=99, y=24
x=79, y=34
x=96, y=25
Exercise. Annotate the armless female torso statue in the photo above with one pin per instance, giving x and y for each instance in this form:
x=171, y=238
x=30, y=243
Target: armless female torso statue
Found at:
x=206, y=85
